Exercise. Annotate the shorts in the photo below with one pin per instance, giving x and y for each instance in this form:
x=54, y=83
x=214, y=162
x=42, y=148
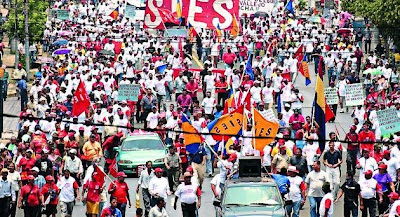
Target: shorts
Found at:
x=92, y=207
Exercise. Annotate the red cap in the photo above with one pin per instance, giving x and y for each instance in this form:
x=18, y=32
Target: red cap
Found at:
x=189, y=169
x=81, y=128
x=394, y=196
x=232, y=157
x=386, y=152
x=30, y=177
x=179, y=121
x=158, y=170
x=49, y=178
x=121, y=174
x=368, y=172
x=382, y=166
x=398, y=209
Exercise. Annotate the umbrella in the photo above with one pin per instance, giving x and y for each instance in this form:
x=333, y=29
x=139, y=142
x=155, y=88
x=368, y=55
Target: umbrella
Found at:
x=317, y=19
x=62, y=51
x=46, y=60
x=261, y=14
x=60, y=42
x=65, y=33
x=344, y=30
x=372, y=71
x=107, y=52
x=345, y=15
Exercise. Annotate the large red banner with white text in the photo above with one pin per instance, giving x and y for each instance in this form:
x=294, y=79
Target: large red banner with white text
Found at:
x=199, y=13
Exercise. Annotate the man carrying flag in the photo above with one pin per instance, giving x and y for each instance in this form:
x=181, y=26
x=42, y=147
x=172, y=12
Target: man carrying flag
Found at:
x=81, y=100
x=93, y=187
x=115, y=13
x=249, y=67
x=289, y=7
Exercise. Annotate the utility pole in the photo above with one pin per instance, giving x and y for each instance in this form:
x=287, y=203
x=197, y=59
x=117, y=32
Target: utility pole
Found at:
x=16, y=34
x=27, y=56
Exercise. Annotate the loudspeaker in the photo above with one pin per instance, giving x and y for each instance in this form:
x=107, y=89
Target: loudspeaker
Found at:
x=249, y=166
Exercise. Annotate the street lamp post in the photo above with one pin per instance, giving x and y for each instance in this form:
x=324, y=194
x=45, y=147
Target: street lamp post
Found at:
x=16, y=34
x=27, y=56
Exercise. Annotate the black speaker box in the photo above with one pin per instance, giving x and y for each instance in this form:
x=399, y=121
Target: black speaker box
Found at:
x=249, y=166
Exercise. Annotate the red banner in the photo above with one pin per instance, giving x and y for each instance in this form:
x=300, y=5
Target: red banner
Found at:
x=199, y=13
x=81, y=100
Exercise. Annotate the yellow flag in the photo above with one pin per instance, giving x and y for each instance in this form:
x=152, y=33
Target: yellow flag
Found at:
x=264, y=128
x=235, y=27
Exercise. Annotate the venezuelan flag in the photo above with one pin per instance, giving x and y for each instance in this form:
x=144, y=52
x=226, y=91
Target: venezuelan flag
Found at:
x=191, y=32
x=228, y=124
x=322, y=112
x=304, y=70
x=229, y=102
x=115, y=13
x=178, y=10
x=192, y=139
x=219, y=33
x=235, y=27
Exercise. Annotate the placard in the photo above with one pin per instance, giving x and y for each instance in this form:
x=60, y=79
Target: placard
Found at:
x=63, y=14
x=331, y=95
x=354, y=94
x=176, y=32
x=252, y=6
x=128, y=92
x=389, y=122
x=130, y=11
x=270, y=115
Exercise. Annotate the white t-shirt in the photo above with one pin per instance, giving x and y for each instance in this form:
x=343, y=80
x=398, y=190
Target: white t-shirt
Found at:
x=267, y=93
x=393, y=165
x=267, y=155
x=315, y=181
x=367, y=164
x=208, y=104
x=368, y=188
x=216, y=181
x=152, y=118
x=66, y=187
x=160, y=186
x=256, y=94
x=322, y=208
x=295, y=188
x=393, y=209
x=187, y=193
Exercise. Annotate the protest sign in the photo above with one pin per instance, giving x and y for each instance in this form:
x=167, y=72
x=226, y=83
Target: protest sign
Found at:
x=128, y=92
x=389, y=122
x=200, y=14
x=354, y=94
x=130, y=11
x=331, y=95
x=63, y=14
x=252, y=6
x=269, y=115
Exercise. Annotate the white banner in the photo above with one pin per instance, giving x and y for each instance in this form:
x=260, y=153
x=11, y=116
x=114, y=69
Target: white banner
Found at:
x=354, y=94
x=252, y=6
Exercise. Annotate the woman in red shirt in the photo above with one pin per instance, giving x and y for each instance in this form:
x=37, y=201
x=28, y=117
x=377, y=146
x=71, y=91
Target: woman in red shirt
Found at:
x=51, y=190
x=94, y=188
x=33, y=198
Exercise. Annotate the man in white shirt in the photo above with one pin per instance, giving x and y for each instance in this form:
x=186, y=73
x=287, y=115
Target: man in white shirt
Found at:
x=158, y=187
x=68, y=189
x=152, y=118
x=208, y=103
x=366, y=163
x=190, y=196
x=369, y=187
x=393, y=165
x=256, y=92
x=144, y=182
x=267, y=95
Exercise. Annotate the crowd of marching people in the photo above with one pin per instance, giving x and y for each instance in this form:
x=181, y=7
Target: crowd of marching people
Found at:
x=55, y=159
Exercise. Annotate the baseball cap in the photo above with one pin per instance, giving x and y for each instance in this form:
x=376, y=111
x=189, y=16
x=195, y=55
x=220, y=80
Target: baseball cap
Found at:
x=187, y=174
x=49, y=178
x=189, y=169
x=292, y=169
x=158, y=170
x=368, y=172
x=382, y=166
x=386, y=152
x=121, y=174
x=30, y=177
x=4, y=170
x=35, y=169
x=232, y=157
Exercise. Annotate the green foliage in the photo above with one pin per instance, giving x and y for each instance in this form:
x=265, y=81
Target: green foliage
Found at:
x=37, y=19
x=385, y=15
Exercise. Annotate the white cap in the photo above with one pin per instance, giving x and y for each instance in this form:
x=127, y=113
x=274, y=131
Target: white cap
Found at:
x=35, y=169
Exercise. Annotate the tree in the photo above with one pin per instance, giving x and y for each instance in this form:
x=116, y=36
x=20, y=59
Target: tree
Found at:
x=37, y=20
x=385, y=15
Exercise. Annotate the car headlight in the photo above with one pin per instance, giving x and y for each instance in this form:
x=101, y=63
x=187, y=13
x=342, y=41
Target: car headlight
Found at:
x=161, y=160
x=124, y=162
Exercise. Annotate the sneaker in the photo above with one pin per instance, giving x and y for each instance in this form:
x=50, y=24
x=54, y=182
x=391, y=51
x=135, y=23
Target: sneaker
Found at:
x=341, y=111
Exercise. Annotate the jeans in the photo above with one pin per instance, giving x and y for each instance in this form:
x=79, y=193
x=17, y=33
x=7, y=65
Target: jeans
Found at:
x=351, y=160
x=24, y=99
x=66, y=208
x=315, y=202
x=208, y=160
x=173, y=178
x=331, y=74
x=146, y=201
x=122, y=208
x=5, y=206
x=369, y=206
x=293, y=209
x=350, y=209
x=168, y=90
x=200, y=52
x=33, y=211
x=161, y=102
x=188, y=210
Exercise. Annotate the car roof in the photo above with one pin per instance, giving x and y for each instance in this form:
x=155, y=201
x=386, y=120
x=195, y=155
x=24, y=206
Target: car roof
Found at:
x=140, y=134
x=251, y=181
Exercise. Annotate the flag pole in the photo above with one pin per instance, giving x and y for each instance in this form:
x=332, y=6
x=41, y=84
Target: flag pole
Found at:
x=252, y=128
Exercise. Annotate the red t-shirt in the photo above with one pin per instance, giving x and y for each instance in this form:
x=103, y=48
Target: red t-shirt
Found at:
x=242, y=51
x=34, y=194
x=94, y=190
x=46, y=189
x=121, y=191
x=353, y=138
x=229, y=58
x=181, y=149
x=367, y=137
x=26, y=164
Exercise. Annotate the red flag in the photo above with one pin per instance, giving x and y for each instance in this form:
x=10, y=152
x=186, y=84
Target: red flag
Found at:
x=181, y=48
x=81, y=100
x=167, y=16
x=113, y=168
x=320, y=72
x=247, y=101
x=328, y=112
x=115, y=13
x=299, y=55
x=100, y=175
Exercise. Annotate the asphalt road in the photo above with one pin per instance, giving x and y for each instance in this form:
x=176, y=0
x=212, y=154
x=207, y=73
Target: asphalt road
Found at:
x=207, y=209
